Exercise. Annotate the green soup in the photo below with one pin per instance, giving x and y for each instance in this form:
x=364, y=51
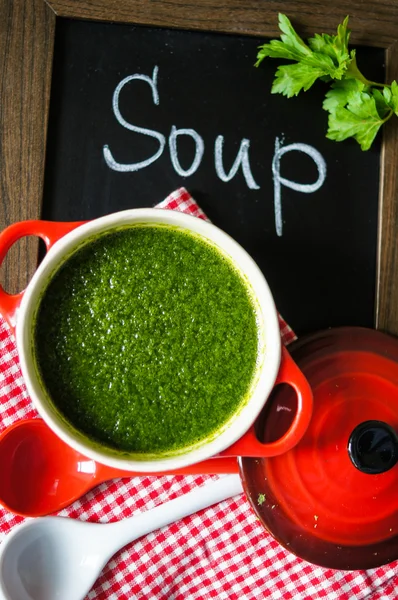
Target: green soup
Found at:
x=146, y=339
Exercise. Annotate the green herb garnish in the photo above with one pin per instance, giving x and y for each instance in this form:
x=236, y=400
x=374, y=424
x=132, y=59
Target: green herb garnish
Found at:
x=357, y=107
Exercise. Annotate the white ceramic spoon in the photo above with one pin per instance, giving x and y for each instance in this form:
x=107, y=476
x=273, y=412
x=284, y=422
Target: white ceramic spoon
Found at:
x=54, y=558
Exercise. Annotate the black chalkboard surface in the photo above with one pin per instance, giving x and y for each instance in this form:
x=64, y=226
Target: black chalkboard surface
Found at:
x=137, y=112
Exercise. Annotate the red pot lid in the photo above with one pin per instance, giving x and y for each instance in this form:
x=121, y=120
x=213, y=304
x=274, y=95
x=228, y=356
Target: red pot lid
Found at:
x=313, y=499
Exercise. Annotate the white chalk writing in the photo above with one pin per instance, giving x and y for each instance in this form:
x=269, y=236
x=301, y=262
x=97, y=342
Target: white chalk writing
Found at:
x=241, y=161
x=110, y=161
x=305, y=188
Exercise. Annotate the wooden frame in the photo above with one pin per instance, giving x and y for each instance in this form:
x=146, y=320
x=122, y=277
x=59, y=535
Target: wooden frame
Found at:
x=27, y=29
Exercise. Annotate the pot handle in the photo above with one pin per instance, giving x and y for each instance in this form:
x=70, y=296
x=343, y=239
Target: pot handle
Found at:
x=249, y=445
x=50, y=232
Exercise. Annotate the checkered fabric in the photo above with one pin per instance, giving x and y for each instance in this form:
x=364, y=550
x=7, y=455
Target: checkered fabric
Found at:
x=222, y=552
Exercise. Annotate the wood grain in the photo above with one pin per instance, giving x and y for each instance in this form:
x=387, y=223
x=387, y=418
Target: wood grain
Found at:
x=26, y=46
x=387, y=280
x=373, y=22
x=27, y=29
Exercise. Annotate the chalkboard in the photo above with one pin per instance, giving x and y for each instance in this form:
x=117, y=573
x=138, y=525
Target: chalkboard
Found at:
x=191, y=105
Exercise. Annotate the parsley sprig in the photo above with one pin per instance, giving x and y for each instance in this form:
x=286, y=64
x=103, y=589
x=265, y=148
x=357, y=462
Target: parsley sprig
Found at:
x=357, y=107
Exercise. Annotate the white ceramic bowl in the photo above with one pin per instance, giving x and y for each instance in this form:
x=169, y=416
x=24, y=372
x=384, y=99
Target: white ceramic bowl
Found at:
x=60, y=245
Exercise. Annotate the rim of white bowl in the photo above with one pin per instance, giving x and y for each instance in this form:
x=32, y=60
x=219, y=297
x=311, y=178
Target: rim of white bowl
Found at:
x=269, y=329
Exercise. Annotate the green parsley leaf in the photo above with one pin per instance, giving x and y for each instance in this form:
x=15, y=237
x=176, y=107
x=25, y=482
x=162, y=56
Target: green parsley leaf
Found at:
x=382, y=105
x=326, y=56
x=391, y=96
x=291, y=47
x=261, y=499
x=360, y=120
x=357, y=107
x=291, y=79
x=340, y=93
x=387, y=93
x=335, y=46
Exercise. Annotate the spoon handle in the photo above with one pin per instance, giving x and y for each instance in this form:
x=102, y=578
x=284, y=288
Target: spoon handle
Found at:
x=123, y=532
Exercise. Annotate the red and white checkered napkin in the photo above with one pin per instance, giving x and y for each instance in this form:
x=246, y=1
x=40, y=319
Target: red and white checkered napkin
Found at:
x=222, y=552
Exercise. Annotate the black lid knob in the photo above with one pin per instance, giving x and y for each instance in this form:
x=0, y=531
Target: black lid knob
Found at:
x=373, y=447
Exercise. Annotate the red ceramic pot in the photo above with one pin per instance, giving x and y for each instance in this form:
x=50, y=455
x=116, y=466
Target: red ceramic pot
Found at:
x=333, y=499
x=274, y=365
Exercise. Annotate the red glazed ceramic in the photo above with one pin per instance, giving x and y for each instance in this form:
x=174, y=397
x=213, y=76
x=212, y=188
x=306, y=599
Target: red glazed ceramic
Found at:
x=237, y=436
x=333, y=498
